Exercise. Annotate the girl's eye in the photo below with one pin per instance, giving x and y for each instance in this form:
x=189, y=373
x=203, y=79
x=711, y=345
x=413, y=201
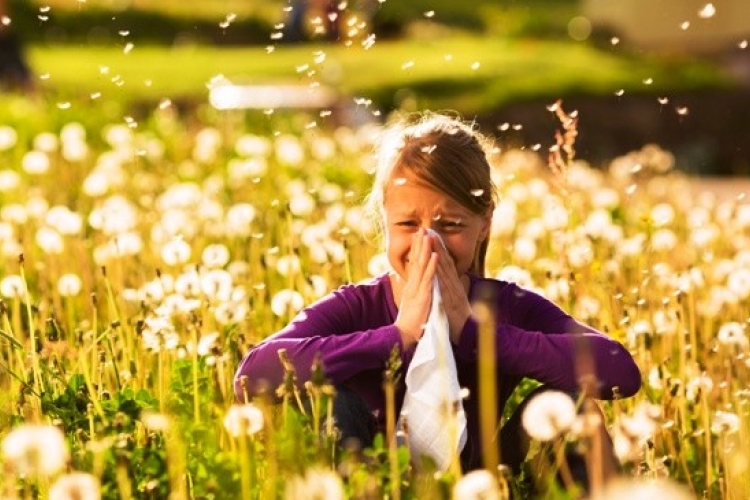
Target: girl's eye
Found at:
x=451, y=224
x=407, y=223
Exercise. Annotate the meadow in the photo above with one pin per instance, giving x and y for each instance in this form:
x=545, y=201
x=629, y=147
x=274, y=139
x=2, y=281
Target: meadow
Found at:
x=141, y=259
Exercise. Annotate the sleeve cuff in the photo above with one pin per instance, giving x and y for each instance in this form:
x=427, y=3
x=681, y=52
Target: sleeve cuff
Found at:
x=467, y=344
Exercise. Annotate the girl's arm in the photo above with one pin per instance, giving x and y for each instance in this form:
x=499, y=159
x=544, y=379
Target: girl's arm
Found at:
x=329, y=328
x=536, y=339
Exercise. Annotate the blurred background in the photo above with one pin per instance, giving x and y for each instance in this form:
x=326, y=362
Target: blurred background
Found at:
x=671, y=72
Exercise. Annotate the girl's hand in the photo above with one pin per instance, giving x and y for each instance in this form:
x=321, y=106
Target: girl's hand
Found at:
x=452, y=290
x=416, y=293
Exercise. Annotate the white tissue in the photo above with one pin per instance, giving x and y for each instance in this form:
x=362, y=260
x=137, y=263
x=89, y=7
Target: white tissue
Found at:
x=432, y=405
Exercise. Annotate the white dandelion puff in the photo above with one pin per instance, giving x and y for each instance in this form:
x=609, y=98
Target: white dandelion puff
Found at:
x=243, y=419
x=175, y=251
x=12, y=286
x=35, y=449
x=75, y=486
x=733, y=334
x=215, y=256
x=478, y=484
x=316, y=484
x=285, y=301
x=548, y=415
x=69, y=285
x=35, y=162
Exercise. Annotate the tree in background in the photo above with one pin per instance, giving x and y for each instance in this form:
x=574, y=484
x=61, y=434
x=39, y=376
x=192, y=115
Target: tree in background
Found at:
x=15, y=73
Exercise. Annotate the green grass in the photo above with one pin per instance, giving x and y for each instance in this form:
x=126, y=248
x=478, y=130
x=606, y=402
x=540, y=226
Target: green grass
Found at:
x=462, y=72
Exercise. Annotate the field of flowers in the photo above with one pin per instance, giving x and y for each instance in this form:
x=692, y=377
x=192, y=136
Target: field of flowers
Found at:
x=140, y=258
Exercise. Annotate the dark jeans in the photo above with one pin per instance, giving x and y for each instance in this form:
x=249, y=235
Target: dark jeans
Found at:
x=356, y=423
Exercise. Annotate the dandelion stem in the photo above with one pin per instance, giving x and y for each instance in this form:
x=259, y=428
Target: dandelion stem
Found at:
x=487, y=385
x=32, y=334
x=196, y=392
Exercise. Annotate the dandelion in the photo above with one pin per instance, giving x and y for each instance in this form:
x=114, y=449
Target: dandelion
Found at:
x=288, y=264
x=50, y=241
x=631, y=432
x=159, y=334
x=35, y=162
x=555, y=216
x=35, y=449
x=216, y=284
x=155, y=421
x=580, y=254
x=548, y=415
x=378, y=264
x=478, y=484
x=289, y=150
x=239, y=218
x=732, y=334
x=643, y=489
x=738, y=282
x=175, y=251
x=69, y=285
x=662, y=214
x=8, y=137
x=75, y=486
x=250, y=145
x=504, y=218
x=663, y=240
x=302, y=205
x=127, y=243
x=285, y=301
x=724, y=422
x=243, y=169
x=227, y=313
x=316, y=484
x=515, y=274
x=64, y=220
x=524, y=249
x=12, y=286
x=702, y=384
x=243, y=419
x=588, y=307
x=215, y=256
x=9, y=180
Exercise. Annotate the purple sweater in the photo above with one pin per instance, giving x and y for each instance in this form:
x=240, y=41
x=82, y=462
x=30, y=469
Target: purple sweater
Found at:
x=352, y=328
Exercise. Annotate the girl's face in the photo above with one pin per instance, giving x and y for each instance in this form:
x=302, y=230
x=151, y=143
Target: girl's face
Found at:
x=410, y=205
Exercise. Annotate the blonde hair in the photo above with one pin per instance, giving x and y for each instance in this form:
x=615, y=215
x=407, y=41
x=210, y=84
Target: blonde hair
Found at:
x=444, y=152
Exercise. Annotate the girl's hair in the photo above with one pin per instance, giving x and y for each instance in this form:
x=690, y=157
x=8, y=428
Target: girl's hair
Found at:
x=445, y=153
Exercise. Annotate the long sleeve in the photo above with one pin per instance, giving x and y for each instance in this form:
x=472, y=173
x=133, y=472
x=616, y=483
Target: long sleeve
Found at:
x=536, y=339
x=351, y=329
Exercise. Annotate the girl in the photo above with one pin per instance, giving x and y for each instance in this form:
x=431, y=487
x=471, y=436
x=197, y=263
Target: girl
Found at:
x=433, y=174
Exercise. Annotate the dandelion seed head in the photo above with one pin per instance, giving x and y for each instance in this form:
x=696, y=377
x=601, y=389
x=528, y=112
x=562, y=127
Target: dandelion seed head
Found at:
x=478, y=484
x=35, y=162
x=317, y=483
x=75, y=486
x=215, y=256
x=286, y=301
x=176, y=251
x=732, y=334
x=723, y=423
x=35, y=449
x=8, y=137
x=155, y=421
x=548, y=415
x=244, y=419
x=10, y=180
x=69, y=285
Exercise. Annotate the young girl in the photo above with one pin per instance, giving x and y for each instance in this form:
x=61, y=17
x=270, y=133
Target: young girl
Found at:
x=433, y=174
